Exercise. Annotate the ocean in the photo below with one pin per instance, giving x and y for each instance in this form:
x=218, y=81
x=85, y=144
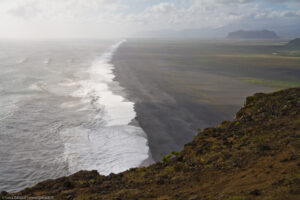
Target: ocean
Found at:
x=62, y=111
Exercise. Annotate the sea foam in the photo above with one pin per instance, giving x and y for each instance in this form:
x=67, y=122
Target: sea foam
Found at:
x=106, y=142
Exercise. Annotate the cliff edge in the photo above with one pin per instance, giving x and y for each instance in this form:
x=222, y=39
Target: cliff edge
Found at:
x=255, y=156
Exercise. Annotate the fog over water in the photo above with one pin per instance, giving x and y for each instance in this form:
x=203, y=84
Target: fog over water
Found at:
x=61, y=112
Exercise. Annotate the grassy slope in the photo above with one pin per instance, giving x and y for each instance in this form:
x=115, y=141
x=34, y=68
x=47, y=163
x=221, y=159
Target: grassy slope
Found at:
x=255, y=156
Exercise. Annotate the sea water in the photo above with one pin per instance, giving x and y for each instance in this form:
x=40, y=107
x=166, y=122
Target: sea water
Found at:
x=61, y=111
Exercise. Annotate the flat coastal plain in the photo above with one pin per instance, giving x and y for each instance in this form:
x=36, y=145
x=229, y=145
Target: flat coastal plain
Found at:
x=180, y=86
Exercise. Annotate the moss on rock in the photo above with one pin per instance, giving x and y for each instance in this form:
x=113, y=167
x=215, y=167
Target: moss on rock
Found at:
x=255, y=156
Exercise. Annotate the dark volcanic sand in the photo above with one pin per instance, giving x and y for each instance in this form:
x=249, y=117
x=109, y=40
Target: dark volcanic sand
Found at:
x=174, y=98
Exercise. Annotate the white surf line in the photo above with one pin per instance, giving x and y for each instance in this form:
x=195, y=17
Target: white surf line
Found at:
x=107, y=143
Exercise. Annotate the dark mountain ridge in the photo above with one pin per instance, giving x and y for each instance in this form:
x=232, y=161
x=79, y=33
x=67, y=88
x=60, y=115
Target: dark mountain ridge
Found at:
x=293, y=44
x=259, y=34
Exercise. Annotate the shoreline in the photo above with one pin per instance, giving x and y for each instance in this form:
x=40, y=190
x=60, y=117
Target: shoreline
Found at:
x=134, y=122
x=231, y=155
x=167, y=108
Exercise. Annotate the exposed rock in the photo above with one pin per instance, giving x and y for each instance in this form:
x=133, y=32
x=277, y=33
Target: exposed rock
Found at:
x=255, y=156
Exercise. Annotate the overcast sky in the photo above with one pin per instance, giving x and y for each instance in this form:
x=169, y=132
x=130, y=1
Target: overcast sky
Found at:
x=121, y=18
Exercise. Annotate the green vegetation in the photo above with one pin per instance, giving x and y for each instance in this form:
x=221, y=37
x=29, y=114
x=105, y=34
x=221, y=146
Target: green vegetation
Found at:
x=237, y=198
x=263, y=64
x=169, y=155
x=275, y=84
x=293, y=45
x=290, y=53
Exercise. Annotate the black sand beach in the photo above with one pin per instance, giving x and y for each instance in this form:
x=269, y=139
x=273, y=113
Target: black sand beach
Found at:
x=177, y=88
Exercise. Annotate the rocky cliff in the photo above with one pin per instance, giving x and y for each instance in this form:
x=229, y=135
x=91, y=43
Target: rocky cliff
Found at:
x=255, y=156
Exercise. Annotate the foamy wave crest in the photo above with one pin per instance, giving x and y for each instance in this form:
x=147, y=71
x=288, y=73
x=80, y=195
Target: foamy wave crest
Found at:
x=107, y=142
x=108, y=149
x=8, y=106
x=47, y=61
x=39, y=86
x=21, y=61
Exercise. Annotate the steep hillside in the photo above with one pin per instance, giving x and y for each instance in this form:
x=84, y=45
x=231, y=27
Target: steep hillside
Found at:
x=255, y=156
x=293, y=44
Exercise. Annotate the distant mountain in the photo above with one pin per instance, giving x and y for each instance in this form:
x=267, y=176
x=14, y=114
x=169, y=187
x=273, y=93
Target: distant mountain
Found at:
x=221, y=32
x=204, y=33
x=260, y=34
x=293, y=44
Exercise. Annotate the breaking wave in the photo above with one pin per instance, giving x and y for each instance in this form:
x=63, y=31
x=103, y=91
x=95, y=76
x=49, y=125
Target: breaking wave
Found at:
x=107, y=142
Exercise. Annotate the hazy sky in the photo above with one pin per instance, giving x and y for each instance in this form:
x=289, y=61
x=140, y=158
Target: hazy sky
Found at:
x=112, y=18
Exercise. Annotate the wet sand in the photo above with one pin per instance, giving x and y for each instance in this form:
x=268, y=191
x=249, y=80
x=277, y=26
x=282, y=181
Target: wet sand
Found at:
x=175, y=95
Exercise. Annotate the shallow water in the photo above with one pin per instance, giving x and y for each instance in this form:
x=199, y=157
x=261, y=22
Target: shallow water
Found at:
x=61, y=111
